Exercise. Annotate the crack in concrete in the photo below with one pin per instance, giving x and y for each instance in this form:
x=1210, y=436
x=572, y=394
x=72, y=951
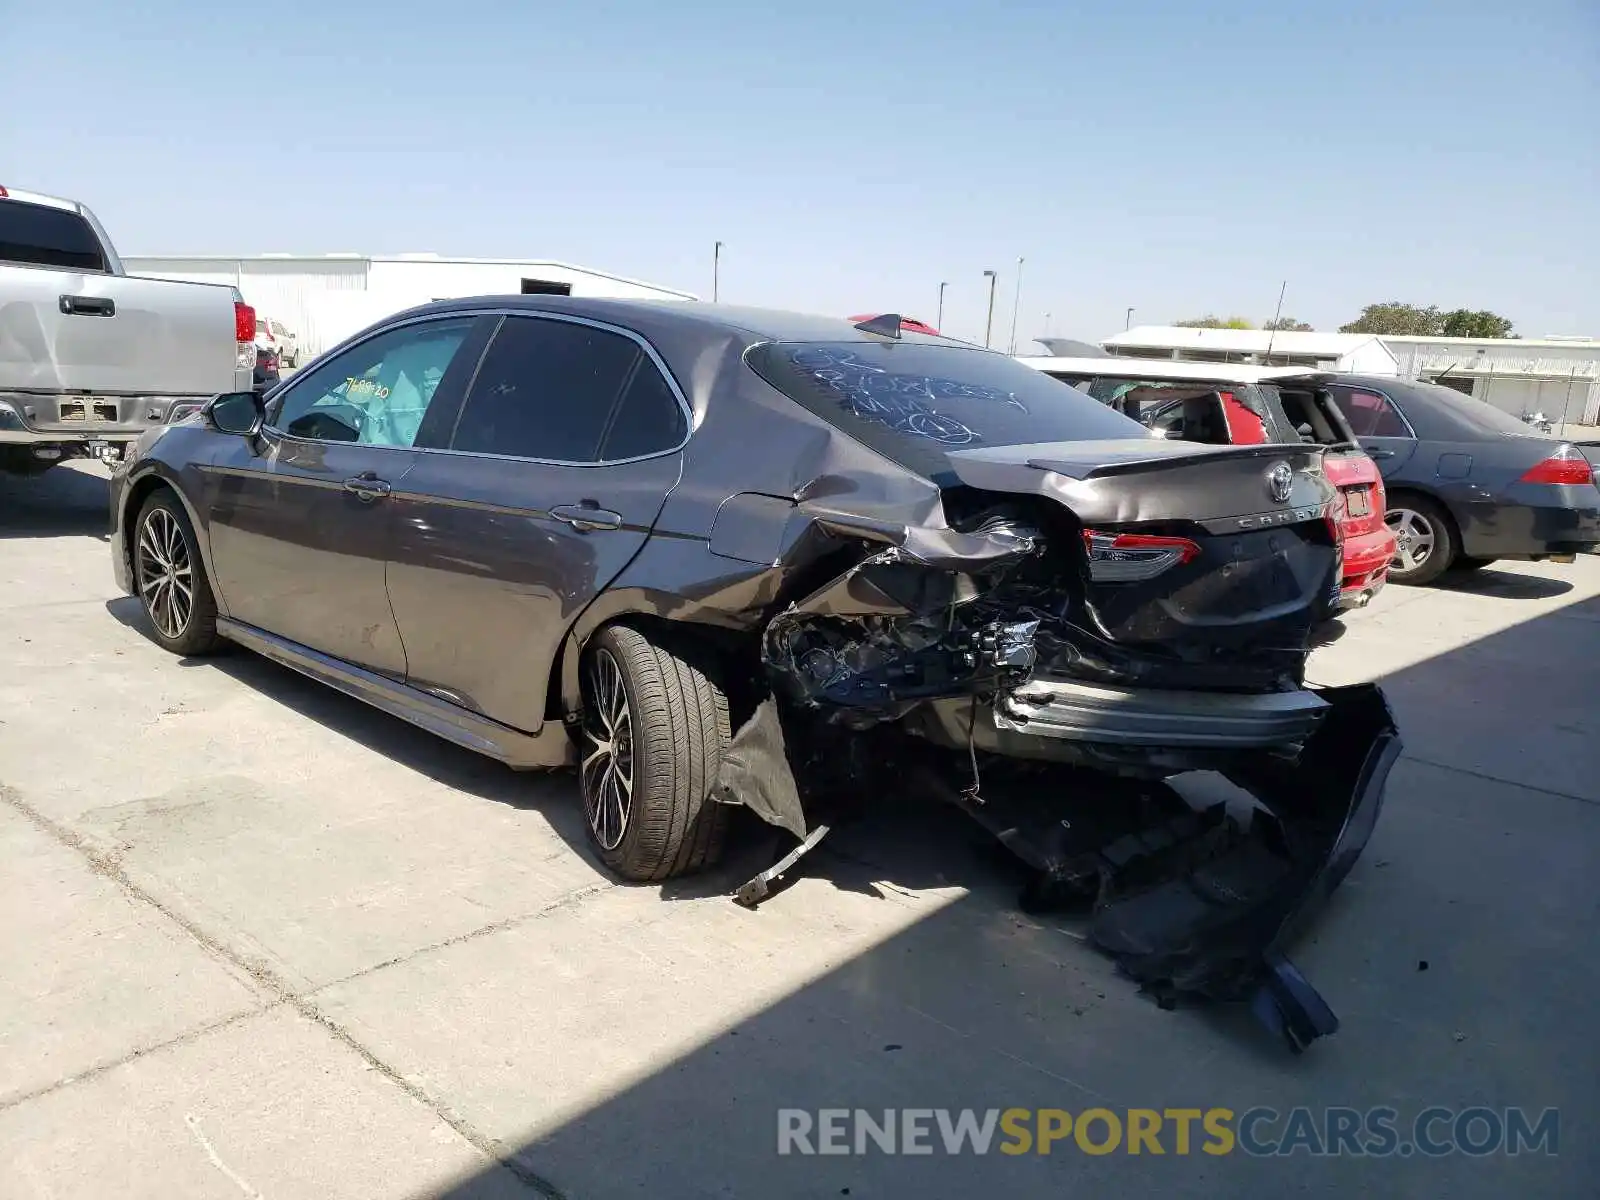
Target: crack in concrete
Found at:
x=99, y=1069
x=561, y=903
x=108, y=867
x=1488, y=778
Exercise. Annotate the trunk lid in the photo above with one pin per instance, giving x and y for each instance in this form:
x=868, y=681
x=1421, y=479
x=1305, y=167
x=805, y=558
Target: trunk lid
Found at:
x=1196, y=566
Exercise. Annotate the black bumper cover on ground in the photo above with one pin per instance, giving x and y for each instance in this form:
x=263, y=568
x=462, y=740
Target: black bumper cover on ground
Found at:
x=1221, y=926
x=1189, y=901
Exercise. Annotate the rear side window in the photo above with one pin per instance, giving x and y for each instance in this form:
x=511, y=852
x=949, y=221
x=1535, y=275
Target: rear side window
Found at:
x=914, y=402
x=649, y=419
x=1370, y=414
x=38, y=235
x=546, y=390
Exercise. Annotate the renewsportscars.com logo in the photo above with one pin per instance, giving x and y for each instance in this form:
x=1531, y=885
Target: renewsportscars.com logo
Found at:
x=1260, y=1132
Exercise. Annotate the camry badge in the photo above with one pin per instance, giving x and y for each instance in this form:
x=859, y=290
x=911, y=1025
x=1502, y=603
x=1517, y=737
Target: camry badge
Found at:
x=1280, y=482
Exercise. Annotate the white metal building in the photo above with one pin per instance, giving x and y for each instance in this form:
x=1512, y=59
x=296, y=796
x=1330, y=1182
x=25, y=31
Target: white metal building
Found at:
x=1559, y=377
x=323, y=299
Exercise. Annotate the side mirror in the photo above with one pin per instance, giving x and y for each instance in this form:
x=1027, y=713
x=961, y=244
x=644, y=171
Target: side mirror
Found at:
x=240, y=413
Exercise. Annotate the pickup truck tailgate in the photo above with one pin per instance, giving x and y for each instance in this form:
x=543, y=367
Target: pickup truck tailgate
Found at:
x=114, y=335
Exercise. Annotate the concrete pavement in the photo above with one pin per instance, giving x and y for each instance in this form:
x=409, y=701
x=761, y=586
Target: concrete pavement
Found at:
x=257, y=939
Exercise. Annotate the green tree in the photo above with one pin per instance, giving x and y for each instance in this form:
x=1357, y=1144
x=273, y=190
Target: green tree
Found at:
x=1289, y=325
x=1210, y=322
x=1463, y=322
x=1395, y=317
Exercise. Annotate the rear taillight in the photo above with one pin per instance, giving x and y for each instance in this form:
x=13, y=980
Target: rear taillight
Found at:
x=1566, y=465
x=244, y=334
x=1131, y=557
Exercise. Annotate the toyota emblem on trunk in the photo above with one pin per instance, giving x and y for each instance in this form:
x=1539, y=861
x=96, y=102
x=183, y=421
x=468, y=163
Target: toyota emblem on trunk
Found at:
x=1280, y=482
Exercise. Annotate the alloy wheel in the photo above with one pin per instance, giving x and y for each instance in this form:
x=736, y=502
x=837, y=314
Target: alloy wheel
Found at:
x=1415, y=538
x=166, y=573
x=607, y=770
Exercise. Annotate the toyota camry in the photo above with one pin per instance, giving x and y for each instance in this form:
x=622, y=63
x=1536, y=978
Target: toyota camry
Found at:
x=706, y=555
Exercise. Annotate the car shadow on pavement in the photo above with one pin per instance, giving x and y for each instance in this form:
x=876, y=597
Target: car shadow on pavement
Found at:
x=1509, y=585
x=66, y=501
x=1453, y=954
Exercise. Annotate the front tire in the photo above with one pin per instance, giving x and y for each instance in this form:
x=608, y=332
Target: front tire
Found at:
x=170, y=579
x=654, y=731
x=1426, y=543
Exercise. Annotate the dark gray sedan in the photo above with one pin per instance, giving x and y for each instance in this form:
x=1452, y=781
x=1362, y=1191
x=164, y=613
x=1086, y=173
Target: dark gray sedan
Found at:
x=718, y=557
x=1466, y=482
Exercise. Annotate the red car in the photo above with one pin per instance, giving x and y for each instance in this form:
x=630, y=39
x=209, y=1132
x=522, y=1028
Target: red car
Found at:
x=1229, y=404
x=907, y=323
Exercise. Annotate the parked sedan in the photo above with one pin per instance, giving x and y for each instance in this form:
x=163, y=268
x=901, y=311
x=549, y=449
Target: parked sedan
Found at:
x=710, y=556
x=1467, y=483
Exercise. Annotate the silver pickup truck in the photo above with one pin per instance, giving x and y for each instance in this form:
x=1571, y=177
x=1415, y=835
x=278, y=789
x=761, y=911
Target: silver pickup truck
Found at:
x=90, y=357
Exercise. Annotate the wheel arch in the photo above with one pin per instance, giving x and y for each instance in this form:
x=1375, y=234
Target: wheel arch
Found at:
x=646, y=610
x=1428, y=494
x=136, y=495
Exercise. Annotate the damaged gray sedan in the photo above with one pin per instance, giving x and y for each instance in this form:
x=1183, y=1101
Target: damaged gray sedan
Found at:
x=714, y=557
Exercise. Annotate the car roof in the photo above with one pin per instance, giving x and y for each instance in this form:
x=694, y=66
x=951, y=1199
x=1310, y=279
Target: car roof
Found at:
x=40, y=198
x=1161, y=368
x=757, y=324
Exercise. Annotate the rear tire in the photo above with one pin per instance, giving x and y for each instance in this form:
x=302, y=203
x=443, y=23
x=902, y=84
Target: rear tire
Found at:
x=170, y=580
x=1427, y=541
x=654, y=732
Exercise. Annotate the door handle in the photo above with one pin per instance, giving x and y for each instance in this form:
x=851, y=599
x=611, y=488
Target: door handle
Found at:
x=585, y=518
x=1380, y=453
x=88, y=306
x=368, y=487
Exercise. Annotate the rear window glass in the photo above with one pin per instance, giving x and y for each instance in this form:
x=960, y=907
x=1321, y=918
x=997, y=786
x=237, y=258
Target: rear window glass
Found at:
x=41, y=236
x=1479, y=415
x=914, y=403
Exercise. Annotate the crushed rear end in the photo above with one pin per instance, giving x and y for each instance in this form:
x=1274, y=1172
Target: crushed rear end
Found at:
x=1081, y=628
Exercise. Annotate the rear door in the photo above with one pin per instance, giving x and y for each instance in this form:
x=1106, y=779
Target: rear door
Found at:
x=1378, y=425
x=68, y=324
x=549, y=482
x=301, y=517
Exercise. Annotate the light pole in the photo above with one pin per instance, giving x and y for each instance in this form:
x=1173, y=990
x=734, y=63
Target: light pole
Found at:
x=938, y=322
x=1127, y=320
x=716, y=271
x=988, y=325
x=1016, y=304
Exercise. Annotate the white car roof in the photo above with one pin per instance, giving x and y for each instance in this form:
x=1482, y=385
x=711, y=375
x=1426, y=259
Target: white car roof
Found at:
x=1164, y=369
x=40, y=198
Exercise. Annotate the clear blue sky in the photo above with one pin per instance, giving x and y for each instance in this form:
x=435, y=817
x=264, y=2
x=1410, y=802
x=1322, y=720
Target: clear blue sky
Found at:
x=1175, y=156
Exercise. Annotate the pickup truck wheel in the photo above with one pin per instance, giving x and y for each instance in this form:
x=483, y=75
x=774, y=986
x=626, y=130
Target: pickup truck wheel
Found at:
x=654, y=730
x=170, y=578
x=1425, y=540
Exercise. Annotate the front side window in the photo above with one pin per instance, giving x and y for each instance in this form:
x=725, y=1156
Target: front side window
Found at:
x=40, y=235
x=376, y=393
x=548, y=389
x=1370, y=414
x=914, y=403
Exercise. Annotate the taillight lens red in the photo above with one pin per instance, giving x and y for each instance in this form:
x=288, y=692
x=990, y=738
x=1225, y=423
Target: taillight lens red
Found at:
x=1132, y=557
x=1567, y=465
x=244, y=322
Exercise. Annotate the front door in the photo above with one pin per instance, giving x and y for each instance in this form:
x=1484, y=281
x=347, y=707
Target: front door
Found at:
x=300, y=517
x=565, y=451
